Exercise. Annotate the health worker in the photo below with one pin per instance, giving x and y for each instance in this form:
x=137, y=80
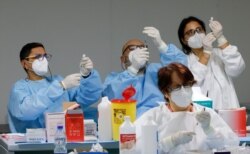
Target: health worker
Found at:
x=33, y=96
x=214, y=67
x=141, y=74
x=182, y=125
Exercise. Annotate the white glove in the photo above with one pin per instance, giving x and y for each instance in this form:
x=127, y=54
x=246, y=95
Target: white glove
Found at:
x=204, y=118
x=86, y=65
x=216, y=28
x=182, y=137
x=156, y=37
x=207, y=43
x=138, y=59
x=71, y=81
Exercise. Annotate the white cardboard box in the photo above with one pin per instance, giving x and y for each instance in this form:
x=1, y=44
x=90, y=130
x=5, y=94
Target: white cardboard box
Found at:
x=52, y=120
x=37, y=135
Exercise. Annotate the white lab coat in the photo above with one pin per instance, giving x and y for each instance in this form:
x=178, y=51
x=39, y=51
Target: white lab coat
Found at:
x=169, y=123
x=215, y=78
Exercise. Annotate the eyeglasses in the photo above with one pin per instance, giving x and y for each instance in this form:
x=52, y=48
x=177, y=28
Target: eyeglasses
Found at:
x=187, y=85
x=40, y=57
x=133, y=47
x=191, y=32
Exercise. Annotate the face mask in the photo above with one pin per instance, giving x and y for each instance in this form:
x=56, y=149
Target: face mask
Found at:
x=182, y=97
x=195, y=41
x=40, y=67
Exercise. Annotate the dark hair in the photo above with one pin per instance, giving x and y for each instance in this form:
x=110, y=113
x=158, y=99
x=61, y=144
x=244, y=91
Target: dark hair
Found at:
x=186, y=49
x=26, y=49
x=165, y=76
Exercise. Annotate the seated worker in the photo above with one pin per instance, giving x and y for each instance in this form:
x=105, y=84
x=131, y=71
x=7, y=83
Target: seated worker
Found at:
x=183, y=125
x=36, y=94
x=141, y=74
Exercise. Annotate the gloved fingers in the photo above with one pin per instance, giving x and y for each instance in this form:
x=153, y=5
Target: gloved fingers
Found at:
x=188, y=136
x=89, y=66
x=182, y=137
x=83, y=63
x=203, y=116
x=143, y=52
x=215, y=26
x=209, y=38
x=143, y=56
x=142, y=61
x=144, y=49
x=151, y=31
x=86, y=62
x=150, y=28
x=152, y=35
x=75, y=75
x=136, y=50
x=85, y=59
x=139, y=52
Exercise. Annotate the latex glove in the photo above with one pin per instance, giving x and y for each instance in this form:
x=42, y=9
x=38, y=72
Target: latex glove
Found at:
x=156, y=37
x=204, y=118
x=182, y=137
x=71, y=81
x=86, y=65
x=138, y=59
x=216, y=28
x=207, y=43
x=170, y=142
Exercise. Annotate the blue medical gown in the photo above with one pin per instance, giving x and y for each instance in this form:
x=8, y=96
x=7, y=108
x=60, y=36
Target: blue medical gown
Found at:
x=147, y=93
x=29, y=100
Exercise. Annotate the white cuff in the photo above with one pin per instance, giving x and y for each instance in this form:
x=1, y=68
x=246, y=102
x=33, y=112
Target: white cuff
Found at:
x=166, y=144
x=206, y=51
x=163, y=47
x=132, y=70
x=221, y=40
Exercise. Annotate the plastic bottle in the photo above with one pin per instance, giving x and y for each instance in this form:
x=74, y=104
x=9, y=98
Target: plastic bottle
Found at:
x=149, y=137
x=60, y=141
x=127, y=137
x=104, y=120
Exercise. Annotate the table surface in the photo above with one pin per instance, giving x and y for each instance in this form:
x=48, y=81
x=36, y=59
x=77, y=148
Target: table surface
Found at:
x=14, y=147
x=24, y=146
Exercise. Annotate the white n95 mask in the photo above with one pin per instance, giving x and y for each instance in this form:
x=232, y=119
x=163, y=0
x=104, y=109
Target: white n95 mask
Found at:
x=182, y=97
x=195, y=41
x=40, y=67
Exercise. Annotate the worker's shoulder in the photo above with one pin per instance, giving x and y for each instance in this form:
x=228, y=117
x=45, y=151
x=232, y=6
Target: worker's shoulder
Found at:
x=117, y=74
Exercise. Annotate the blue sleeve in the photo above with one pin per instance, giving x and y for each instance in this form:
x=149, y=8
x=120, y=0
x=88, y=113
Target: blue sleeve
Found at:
x=115, y=83
x=89, y=91
x=25, y=104
x=173, y=54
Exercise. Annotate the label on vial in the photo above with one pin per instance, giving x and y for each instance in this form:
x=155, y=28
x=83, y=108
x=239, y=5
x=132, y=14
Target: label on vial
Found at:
x=127, y=141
